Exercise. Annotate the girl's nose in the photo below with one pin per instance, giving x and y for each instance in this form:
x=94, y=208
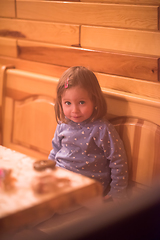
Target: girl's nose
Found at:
x=75, y=109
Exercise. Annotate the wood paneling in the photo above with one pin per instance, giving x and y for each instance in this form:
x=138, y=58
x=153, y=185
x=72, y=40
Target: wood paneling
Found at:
x=40, y=31
x=117, y=63
x=127, y=104
x=135, y=86
x=8, y=47
x=139, y=138
x=7, y=8
x=145, y=2
x=131, y=85
x=29, y=105
x=34, y=67
x=111, y=15
x=142, y=42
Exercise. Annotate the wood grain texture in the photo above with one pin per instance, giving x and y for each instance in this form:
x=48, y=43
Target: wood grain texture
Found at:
x=40, y=31
x=130, y=85
x=116, y=63
x=131, y=105
x=7, y=8
x=29, y=105
x=34, y=67
x=111, y=15
x=135, y=86
x=144, y=2
x=139, y=138
x=141, y=42
x=22, y=206
x=8, y=47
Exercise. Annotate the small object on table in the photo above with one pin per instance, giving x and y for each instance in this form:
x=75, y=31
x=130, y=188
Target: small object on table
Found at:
x=7, y=181
x=44, y=164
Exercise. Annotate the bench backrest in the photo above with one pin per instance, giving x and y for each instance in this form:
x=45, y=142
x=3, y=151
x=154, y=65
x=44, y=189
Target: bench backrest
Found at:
x=29, y=122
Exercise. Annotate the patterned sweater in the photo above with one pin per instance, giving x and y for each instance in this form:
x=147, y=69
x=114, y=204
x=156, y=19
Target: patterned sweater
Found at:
x=93, y=149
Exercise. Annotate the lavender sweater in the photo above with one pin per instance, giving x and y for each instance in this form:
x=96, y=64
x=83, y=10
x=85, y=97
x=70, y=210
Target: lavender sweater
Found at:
x=92, y=149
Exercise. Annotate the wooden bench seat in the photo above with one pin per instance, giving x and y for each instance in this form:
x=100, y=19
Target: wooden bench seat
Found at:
x=97, y=14
x=29, y=122
x=115, y=63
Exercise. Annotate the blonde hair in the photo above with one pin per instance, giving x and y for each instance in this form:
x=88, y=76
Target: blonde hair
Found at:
x=83, y=77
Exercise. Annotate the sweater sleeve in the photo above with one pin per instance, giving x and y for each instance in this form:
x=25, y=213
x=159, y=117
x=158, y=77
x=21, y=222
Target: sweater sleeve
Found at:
x=56, y=144
x=117, y=163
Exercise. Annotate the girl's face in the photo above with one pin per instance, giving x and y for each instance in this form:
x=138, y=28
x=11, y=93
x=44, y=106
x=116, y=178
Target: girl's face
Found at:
x=77, y=104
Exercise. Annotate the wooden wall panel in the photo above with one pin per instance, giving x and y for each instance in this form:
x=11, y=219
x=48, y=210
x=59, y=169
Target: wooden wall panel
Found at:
x=145, y=2
x=40, y=31
x=111, y=15
x=134, y=66
x=142, y=42
x=7, y=8
x=130, y=85
x=8, y=47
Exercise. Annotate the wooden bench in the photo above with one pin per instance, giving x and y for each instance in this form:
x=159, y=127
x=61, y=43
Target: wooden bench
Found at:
x=29, y=123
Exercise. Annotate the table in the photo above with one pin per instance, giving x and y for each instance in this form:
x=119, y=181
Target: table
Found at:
x=21, y=205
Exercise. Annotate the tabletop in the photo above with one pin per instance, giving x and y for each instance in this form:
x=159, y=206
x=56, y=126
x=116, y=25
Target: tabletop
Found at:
x=22, y=205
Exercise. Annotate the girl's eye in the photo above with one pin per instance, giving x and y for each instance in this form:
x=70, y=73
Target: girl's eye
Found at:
x=68, y=103
x=82, y=102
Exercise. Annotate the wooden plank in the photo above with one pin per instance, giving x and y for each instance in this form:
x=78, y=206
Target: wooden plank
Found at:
x=111, y=15
x=7, y=8
x=29, y=105
x=121, y=104
x=34, y=67
x=130, y=85
x=8, y=47
x=3, y=69
x=144, y=2
x=67, y=34
x=135, y=86
x=123, y=64
x=141, y=42
x=139, y=138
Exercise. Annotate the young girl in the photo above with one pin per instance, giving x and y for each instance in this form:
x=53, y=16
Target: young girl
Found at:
x=84, y=142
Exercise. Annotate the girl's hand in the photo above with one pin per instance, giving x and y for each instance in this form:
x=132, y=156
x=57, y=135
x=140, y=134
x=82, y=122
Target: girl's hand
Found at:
x=107, y=198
